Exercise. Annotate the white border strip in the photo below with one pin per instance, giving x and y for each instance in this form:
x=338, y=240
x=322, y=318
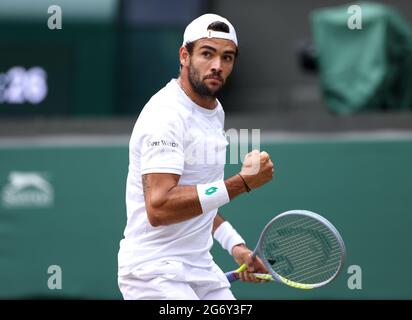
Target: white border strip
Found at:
x=65, y=141
x=333, y=137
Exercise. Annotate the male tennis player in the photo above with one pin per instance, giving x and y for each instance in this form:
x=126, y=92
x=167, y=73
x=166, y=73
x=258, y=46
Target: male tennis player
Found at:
x=175, y=182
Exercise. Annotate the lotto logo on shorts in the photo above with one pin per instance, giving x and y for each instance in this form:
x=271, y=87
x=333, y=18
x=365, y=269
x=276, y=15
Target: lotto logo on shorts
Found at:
x=210, y=191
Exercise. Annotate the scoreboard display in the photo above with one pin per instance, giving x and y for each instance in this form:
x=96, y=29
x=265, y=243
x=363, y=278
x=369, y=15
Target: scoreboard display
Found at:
x=65, y=71
x=35, y=80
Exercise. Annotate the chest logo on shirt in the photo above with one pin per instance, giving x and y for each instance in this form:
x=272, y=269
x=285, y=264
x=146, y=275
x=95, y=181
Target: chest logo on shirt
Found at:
x=210, y=191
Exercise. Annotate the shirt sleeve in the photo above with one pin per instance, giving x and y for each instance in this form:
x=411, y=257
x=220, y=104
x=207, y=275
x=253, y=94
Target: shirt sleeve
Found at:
x=162, y=147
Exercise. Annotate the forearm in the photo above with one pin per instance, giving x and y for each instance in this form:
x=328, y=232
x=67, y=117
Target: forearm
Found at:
x=180, y=203
x=217, y=222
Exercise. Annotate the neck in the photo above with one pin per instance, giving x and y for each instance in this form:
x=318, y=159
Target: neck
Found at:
x=202, y=101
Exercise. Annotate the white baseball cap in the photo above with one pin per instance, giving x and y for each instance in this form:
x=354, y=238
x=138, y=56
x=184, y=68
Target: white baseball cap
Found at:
x=197, y=29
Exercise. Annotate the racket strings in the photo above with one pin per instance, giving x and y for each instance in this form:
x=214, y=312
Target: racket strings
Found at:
x=312, y=268
x=304, y=259
x=295, y=246
x=310, y=265
x=274, y=237
x=304, y=249
x=293, y=242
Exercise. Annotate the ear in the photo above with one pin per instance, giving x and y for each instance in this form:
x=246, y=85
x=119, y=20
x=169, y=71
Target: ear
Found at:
x=183, y=56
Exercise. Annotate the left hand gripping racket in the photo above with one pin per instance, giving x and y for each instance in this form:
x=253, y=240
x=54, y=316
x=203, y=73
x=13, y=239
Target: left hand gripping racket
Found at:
x=299, y=248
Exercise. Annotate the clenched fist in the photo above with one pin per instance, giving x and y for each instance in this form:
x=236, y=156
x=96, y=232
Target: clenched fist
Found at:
x=257, y=169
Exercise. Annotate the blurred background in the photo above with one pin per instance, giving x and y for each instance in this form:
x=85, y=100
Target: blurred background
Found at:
x=328, y=83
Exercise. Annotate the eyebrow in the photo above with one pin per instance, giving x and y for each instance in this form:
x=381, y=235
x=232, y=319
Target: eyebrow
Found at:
x=208, y=47
x=214, y=50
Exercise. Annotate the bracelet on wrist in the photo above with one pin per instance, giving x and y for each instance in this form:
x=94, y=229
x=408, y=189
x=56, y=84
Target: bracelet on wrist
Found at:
x=247, y=187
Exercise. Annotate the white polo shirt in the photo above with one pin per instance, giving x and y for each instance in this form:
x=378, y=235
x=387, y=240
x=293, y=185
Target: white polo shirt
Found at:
x=172, y=135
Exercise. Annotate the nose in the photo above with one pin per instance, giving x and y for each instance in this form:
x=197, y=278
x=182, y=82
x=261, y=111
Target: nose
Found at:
x=217, y=65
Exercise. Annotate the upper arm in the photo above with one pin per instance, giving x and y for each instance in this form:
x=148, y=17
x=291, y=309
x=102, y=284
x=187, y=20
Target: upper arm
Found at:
x=161, y=151
x=156, y=186
x=155, y=189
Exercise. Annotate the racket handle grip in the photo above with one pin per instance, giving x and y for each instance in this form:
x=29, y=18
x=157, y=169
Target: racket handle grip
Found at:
x=232, y=276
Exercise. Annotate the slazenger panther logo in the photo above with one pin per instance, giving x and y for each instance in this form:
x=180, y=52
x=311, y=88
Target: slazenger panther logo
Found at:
x=27, y=189
x=210, y=191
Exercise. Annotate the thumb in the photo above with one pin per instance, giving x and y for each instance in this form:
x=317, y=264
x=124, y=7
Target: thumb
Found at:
x=250, y=263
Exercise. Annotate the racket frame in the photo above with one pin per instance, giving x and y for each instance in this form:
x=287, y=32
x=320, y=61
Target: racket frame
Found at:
x=276, y=277
x=259, y=250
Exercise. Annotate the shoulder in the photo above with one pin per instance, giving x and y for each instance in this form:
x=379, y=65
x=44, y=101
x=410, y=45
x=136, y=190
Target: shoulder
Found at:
x=164, y=109
x=161, y=111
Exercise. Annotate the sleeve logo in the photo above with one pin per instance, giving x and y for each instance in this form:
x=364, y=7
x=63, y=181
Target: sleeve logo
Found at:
x=162, y=143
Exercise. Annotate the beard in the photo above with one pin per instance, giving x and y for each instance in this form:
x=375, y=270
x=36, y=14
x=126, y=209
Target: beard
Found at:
x=199, y=86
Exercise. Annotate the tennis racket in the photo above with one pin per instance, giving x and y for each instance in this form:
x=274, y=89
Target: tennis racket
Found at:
x=299, y=248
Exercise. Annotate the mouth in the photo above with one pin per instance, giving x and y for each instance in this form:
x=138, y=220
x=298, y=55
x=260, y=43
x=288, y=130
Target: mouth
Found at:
x=214, y=78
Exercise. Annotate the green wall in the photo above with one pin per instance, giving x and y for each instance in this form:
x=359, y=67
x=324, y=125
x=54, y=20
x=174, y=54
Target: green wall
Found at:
x=79, y=231
x=363, y=186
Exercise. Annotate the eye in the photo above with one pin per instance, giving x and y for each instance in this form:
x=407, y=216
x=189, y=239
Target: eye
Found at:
x=206, y=54
x=228, y=58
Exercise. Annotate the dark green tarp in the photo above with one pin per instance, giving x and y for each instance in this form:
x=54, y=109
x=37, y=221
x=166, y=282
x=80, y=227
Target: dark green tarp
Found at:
x=368, y=68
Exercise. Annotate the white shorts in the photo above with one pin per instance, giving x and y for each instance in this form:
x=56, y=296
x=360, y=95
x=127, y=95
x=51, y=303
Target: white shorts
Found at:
x=173, y=280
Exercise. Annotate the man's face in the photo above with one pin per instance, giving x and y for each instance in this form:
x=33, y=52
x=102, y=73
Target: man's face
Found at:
x=210, y=65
